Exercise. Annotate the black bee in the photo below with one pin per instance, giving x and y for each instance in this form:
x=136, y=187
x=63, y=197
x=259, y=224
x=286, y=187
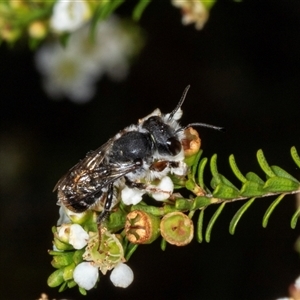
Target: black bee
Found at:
x=149, y=150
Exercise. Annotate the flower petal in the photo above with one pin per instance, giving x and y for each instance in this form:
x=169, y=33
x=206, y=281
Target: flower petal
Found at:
x=131, y=196
x=78, y=236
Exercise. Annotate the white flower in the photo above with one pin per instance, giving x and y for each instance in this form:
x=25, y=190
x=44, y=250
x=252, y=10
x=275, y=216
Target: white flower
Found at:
x=181, y=169
x=193, y=11
x=74, y=235
x=73, y=71
x=86, y=275
x=121, y=275
x=66, y=73
x=160, y=192
x=69, y=15
x=163, y=190
x=131, y=196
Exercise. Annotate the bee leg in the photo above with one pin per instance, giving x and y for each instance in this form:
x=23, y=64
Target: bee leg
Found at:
x=132, y=184
x=106, y=209
x=105, y=212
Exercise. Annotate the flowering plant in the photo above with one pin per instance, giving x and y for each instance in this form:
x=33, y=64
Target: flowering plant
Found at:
x=82, y=248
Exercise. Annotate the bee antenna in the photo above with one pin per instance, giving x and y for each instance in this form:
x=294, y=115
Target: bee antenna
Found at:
x=205, y=125
x=179, y=103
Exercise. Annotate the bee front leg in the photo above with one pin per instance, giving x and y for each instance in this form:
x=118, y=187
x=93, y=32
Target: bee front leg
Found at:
x=132, y=184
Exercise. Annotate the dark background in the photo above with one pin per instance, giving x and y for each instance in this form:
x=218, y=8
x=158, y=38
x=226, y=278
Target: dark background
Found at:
x=244, y=71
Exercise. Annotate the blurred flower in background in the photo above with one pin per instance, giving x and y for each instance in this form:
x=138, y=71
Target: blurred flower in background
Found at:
x=194, y=11
x=80, y=41
x=69, y=15
x=72, y=71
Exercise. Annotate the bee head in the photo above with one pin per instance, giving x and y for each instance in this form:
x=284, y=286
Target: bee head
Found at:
x=163, y=136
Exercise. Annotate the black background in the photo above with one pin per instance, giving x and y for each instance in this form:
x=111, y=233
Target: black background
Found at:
x=244, y=71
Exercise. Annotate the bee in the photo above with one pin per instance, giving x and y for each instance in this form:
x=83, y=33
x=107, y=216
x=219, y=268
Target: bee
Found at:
x=136, y=155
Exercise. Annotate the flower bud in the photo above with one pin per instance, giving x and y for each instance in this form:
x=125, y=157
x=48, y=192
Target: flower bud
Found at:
x=77, y=256
x=59, y=245
x=62, y=259
x=79, y=218
x=37, y=30
x=86, y=275
x=68, y=271
x=56, y=278
x=177, y=228
x=121, y=275
x=141, y=227
x=72, y=234
x=191, y=143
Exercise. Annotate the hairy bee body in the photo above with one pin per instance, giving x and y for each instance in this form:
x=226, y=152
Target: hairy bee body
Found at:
x=133, y=158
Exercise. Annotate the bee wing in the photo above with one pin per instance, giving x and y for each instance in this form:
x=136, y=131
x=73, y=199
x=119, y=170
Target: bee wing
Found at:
x=102, y=178
x=92, y=160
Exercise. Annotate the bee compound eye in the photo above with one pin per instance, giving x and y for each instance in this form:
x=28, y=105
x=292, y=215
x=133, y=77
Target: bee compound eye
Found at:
x=174, y=146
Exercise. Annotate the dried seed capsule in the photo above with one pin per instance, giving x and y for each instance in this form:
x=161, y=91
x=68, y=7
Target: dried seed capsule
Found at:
x=141, y=227
x=177, y=228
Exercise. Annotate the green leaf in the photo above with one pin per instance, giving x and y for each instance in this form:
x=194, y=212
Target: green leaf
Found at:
x=225, y=192
x=295, y=156
x=139, y=9
x=201, y=168
x=71, y=283
x=102, y=11
x=183, y=204
x=106, y=8
x=200, y=226
x=280, y=184
x=251, y=189
x=214, y=169
x=63, y=39
x=236, y=170
x=163, y=244
x=295, y=218
x=236, y=218
x=116, y=221
x=63, y=287
x=227, y=182
x=282, y=173
x=212, y=222
x=195, y=163
x=264, y=164
x=130, y=250
x=209, y=4
x=82, y=291
x=255, y=178
x=200, y=201
x=270, y=210
x=155, y=211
